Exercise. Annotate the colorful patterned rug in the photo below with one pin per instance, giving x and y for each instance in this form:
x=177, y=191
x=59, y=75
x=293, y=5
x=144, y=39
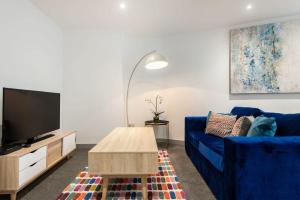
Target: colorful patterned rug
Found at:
x=163, y=185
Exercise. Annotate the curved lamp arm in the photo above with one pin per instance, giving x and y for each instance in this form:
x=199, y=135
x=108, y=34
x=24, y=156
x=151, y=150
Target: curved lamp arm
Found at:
x=128, y=86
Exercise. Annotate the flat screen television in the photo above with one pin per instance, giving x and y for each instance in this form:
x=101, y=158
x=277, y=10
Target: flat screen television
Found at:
x=28, y=114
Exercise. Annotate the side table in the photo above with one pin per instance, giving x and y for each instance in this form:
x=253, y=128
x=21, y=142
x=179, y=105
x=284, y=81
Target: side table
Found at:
x=157, y=124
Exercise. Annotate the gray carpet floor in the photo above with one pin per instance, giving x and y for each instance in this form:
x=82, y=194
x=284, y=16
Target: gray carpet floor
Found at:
x=50, y=185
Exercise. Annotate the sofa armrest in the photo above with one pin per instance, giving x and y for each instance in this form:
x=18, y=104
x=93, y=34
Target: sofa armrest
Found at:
x=262, y=167
x=195, y=124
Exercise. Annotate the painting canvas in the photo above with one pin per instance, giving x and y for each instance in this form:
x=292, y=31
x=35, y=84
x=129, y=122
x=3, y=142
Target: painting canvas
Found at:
x=266, y=58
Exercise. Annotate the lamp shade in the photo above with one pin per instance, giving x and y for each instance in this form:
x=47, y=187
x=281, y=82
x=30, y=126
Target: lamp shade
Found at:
x=156, y=61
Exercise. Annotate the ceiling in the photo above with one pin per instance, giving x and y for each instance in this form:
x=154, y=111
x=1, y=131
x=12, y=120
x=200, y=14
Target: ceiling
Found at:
x=162, y=16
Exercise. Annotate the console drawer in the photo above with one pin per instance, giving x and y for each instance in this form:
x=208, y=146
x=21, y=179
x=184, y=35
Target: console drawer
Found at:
x=69, y=144
x=31, y=171
x=32, y=157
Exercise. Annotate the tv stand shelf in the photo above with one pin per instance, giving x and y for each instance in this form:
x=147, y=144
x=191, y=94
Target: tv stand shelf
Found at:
x=18, y=169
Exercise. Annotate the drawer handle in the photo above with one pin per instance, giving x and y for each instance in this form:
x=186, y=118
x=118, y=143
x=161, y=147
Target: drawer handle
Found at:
x=33, y=151
x=33, y=164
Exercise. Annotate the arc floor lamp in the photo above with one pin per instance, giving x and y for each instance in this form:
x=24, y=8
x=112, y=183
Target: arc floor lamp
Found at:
x=153, y=60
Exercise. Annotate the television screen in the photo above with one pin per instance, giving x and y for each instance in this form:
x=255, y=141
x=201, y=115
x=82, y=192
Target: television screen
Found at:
x=27, y=114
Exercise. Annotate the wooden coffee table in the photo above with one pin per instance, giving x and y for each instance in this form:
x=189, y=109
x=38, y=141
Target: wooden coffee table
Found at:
x=125, y=152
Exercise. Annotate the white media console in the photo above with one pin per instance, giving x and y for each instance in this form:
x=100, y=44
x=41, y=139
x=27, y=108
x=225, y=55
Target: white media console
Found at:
x=20, y=168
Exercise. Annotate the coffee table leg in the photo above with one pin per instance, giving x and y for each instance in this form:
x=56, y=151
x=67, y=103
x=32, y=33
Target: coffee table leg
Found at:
x=13, y=196
x=144, y=187
x=104, y=189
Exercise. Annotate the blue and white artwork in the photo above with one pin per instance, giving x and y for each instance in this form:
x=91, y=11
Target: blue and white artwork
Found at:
x=266, y=58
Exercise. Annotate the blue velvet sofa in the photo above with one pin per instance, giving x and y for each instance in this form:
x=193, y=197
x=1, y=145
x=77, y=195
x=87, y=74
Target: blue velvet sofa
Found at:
x=248, y=168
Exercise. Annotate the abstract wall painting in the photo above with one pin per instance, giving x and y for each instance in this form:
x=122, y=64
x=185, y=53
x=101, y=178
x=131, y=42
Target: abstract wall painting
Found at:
x=265, y=58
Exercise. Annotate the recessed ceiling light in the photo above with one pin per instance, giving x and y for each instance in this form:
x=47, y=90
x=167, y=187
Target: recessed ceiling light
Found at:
x=122, y=6
x=249, y=7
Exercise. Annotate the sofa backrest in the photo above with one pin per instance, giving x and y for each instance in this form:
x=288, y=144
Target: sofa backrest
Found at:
x=287, y=124
x=246, y=111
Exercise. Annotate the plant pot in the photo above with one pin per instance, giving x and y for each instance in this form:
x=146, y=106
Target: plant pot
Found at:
x=156, y=118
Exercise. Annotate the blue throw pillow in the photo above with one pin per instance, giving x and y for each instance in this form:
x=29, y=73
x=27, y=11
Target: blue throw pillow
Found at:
x=263, y=126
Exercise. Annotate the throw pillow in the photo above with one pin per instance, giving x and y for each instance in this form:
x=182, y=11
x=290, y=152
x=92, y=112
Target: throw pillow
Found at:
x=219, y=124
x=263, y=126
x=209, y=114
x=242, y=126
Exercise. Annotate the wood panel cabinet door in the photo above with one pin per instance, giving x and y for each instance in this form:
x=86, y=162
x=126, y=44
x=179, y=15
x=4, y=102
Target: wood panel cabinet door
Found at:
x=69, y=144
x=54, y=152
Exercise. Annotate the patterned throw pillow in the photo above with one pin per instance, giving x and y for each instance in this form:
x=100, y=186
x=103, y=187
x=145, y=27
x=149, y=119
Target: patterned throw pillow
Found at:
x=242, y=126
x=220, y=125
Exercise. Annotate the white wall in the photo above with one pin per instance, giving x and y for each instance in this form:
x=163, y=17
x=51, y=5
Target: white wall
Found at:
x=92, y=83
x=185, y=84
x=97, y=65
x=143, y=82
x=30, y=49
x=32, y=57
x=196, y=81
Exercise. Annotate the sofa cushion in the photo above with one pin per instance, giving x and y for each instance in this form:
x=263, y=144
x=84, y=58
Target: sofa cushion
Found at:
x=246, y=111
x=212, y=148
x=287, y=124
x=194, y=137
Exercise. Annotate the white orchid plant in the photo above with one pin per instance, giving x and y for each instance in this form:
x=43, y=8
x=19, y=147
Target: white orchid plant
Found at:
x=156, y=112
